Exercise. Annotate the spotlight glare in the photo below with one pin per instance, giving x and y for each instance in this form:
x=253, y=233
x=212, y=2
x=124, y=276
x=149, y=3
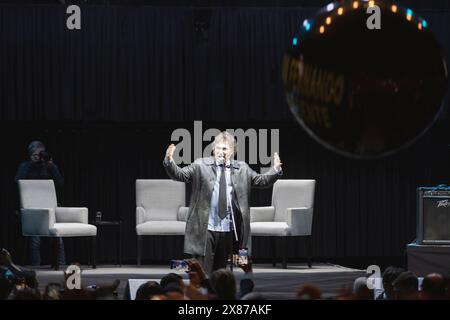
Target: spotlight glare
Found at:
x=294, y=41
x=328, y=20
x=330, y=6
x=322, y=29
x=340, y=11
x=409, y=14
x=355, y=4
x=308, y=26
x=394, y=8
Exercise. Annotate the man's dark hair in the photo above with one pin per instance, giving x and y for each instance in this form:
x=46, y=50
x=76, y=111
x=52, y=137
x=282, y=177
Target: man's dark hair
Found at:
x=35, y=145
x=406, y=283
x=170, y=278
x=224, y=284
x=391, y=273
x=173, y=287
x=149, y=289
x=434, y=285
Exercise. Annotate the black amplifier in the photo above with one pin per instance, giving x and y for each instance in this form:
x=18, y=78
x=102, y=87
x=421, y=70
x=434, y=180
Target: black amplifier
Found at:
x=433, y=215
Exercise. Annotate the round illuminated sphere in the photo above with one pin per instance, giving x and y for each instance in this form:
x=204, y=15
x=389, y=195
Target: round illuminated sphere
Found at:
x=365, y=78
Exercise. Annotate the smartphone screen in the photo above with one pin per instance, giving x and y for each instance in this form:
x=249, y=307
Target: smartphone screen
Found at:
x=179, y=265
x=241, y=259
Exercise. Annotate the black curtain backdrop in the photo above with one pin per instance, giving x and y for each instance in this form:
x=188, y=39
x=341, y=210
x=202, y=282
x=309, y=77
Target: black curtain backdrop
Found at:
x=144, y=63
x=105, y=100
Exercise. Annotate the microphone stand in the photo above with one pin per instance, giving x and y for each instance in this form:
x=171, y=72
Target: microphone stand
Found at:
x=233, y=220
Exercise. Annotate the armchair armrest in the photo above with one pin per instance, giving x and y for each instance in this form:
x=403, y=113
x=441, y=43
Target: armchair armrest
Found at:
x=182, y=213
x=37, y=221
x=140, y=215
x=300, y=221
x=262, y=214
x=74, y=215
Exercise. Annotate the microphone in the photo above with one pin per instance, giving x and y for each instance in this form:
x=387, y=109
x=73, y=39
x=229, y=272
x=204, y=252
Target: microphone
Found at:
x=220, y=160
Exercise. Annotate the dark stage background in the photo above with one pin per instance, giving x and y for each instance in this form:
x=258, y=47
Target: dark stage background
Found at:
x=105, y=100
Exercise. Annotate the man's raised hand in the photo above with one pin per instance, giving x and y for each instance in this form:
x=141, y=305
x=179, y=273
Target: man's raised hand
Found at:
x=169, y=152
x=277, y=161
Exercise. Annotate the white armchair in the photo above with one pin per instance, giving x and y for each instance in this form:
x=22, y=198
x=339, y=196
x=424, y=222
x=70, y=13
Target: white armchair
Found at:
x=160, y=209
x=290, y=215
x=42, y=217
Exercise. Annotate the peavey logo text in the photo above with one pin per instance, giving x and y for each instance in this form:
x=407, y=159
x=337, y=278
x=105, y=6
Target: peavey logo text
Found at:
x=443, y=203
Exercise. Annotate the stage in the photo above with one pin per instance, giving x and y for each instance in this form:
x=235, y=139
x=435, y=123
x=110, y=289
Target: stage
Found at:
x=274, y=283
x=426, y=259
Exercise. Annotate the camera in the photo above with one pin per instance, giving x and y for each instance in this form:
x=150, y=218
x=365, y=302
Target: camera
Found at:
x=44, y=156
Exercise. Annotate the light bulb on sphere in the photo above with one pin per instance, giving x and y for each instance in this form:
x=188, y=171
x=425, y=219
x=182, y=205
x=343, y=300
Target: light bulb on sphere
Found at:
x=361, y=91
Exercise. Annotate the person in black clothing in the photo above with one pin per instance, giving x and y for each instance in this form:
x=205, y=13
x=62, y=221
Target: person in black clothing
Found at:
x=389, y=275
x=41, y=167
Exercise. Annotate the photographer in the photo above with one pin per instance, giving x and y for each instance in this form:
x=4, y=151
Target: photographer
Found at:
x=41, y=167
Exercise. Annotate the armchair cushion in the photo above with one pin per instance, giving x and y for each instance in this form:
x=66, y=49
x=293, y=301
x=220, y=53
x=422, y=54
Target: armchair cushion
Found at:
x=262, y=214
x=37, y=222
x=183, y=213
x=66, y=214
x=73, y=230
x=279, y=229
x=300, y=221
x=161, y=228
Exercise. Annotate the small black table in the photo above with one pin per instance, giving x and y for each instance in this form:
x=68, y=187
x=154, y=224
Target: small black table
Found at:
x=118, y=226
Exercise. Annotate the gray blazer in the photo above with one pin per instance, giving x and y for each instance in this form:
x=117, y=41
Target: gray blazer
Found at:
x=202, y=175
